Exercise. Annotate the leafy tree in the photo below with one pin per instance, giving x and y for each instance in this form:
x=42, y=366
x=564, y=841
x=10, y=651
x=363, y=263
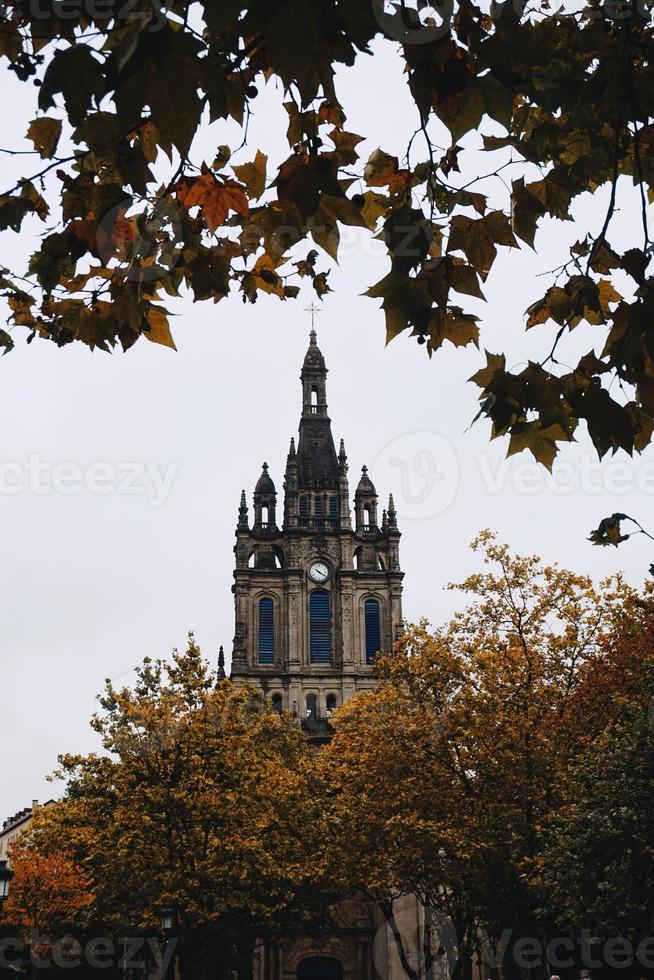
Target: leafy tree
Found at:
x=48, y=891
x=204, y=800
x=134, y=214
x=597, y=860
x=443, y=777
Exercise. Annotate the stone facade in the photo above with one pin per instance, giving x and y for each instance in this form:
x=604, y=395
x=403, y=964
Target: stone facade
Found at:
x=313, y=652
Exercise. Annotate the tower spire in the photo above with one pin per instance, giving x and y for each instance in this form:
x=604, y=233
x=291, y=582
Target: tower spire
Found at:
x=220, y=673
x=243, y=523
x=316, y=454
x=342, y=455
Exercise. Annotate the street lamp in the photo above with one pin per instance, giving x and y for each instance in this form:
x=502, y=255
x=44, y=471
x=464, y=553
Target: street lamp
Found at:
x=167, y=919
x=5, y=877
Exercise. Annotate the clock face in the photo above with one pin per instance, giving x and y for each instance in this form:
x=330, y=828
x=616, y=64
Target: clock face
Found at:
x=319, y=572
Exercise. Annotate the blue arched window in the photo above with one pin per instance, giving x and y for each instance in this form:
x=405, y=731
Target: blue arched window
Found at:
x=333, y=507
x=373, y=629
x=266, y=631
x=320, y=627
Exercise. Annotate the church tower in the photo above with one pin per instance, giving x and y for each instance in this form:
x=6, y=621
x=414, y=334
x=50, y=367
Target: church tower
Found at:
x=318, y=591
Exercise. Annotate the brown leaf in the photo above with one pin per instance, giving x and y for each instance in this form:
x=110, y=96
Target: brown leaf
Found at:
x=44, y=134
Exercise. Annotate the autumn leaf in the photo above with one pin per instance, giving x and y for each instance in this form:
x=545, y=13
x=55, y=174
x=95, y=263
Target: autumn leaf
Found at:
x=609, y=531
x=454, y=325
x=268, y=279
x=253, y=175
x=44, y=134
x=215, y=198
x=77, y=74
x=383, y=170
x=540, y=441
x=159, y=328
x=477, y=238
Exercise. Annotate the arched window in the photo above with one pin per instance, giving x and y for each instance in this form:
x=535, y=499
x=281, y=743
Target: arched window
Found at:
x=312, y=706
x=333, y=507
x=277, y=703
x=373, y=629
x=318, y=506
x=320, y=628
x=358, y=559
x=331, y=704
x=303, y=509
x=320, y=968
x=266, y=631
x=265, y=514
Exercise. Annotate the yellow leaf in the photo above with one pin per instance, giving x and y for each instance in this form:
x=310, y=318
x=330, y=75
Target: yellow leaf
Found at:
x=253, y=175
x=159, y=332
x=607, y=294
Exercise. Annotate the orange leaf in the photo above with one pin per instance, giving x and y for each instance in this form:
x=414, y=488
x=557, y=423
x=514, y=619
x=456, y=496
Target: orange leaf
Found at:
x=214, y=198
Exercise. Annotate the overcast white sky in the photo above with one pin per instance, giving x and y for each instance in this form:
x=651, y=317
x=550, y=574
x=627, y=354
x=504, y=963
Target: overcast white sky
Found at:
x=93, y=582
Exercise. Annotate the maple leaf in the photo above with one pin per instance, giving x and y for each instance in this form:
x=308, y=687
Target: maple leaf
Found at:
x=540, y=441
x=383, y=170
x=215, y=198
x=44, y=134
x=454, y=325
x=477, y=238
x=78, y=75
x=253, y=175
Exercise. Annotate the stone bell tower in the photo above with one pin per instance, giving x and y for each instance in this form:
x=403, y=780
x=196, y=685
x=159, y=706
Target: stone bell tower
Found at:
x=316, y=596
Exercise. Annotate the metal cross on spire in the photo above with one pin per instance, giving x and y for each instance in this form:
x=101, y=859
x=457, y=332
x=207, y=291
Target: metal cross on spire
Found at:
x=313, y=310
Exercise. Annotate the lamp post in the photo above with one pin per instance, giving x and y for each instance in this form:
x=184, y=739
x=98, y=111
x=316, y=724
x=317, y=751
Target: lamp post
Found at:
x=5, y=877
x=168, y=917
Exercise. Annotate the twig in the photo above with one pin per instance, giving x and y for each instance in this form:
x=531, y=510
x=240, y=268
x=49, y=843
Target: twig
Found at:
x=51, y=166
x=641, y=529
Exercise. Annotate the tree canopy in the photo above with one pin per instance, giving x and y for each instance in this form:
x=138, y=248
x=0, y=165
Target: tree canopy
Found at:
x=204, y=800
x=478, y=775
x=132, y=215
